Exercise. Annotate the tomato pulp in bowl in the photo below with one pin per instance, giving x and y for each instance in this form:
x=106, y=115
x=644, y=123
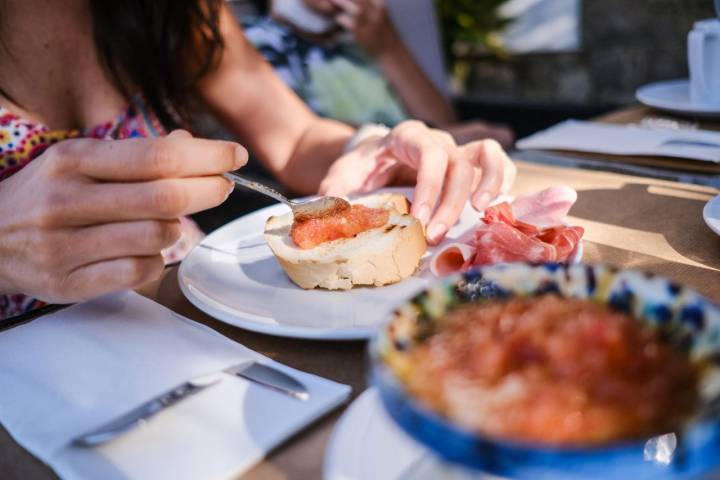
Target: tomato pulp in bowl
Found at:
x=688, y=322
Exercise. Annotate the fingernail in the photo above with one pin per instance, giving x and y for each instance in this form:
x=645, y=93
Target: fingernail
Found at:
x=241, y=157
x=423, y=213
x=481, y=201
x=230, y=190
x=436, y=231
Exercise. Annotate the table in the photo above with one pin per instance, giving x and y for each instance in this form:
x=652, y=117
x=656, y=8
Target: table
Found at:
x=630, y=222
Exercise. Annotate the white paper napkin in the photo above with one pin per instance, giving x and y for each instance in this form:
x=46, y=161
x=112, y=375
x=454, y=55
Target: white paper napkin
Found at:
x=66, y=373
x=611, y=139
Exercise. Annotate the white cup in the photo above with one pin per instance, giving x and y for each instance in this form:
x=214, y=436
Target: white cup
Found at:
x=704, y=61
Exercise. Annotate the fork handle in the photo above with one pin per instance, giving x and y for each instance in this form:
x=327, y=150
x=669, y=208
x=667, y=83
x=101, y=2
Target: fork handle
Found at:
x=257, y=186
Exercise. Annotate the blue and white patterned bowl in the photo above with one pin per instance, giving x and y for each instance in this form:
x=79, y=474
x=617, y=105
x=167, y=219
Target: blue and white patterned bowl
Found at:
x=688, y=320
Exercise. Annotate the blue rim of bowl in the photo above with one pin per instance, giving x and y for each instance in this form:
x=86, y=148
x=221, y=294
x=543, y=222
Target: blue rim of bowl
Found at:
x=693, y=451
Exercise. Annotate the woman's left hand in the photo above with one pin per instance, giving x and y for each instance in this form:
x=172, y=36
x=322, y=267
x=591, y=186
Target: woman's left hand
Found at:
x=446, y=175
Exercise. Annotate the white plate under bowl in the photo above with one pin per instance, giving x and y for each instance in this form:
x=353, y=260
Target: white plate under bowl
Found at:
x=711, y=214
x=366, y=443
x=251, y=291
x=674, y=96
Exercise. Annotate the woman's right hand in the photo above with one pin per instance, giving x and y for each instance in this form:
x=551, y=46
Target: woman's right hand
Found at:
x=88, y=217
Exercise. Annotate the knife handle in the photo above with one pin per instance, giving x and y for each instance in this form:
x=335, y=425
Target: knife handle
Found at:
x=173, y=396
x=147, y=410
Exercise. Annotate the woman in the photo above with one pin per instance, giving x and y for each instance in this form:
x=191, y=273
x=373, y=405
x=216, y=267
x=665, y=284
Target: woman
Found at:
x=80, y=217
x=345, y=59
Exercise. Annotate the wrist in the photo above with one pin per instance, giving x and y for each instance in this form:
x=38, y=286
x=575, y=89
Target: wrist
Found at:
x=389, y=47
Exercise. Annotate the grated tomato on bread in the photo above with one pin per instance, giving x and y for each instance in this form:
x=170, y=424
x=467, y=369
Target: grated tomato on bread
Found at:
x=380, y=255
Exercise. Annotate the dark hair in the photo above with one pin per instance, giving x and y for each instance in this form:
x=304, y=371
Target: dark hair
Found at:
x=158, y=48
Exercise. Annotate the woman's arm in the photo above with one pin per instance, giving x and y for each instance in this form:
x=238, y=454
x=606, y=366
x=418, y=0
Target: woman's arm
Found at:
x=372, y=29
x=297, y=146
x=306, y=152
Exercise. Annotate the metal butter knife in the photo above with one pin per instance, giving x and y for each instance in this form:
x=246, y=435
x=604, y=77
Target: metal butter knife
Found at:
x=256, y=372
x=270, y=377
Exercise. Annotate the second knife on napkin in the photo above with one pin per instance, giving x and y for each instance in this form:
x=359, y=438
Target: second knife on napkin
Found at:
x=259, y=373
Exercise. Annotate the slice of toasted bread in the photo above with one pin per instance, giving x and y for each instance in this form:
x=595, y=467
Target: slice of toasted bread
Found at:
x=376, y=257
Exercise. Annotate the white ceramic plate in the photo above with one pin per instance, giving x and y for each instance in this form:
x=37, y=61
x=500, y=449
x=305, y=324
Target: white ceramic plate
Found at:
x=248, y=289
x=711, y=214
x=366, y=443
x=674, y=96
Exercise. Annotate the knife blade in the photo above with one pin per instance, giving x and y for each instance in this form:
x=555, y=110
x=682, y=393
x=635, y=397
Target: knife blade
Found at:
x=270, y=377
x=145, y=411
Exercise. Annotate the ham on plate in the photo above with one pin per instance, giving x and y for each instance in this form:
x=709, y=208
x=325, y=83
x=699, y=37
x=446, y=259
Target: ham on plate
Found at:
x=530, y=229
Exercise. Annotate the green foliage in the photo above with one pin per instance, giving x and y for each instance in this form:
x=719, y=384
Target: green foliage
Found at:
x=471, y=26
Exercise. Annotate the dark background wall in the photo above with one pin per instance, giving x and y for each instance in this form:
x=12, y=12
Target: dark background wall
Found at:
x=625, y=44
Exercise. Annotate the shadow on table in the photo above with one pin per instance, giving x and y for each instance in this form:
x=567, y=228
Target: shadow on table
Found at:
x=704, y=280
x=649, y=211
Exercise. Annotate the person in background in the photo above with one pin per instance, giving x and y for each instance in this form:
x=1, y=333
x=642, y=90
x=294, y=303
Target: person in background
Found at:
x=345, y=59
x=97, y=174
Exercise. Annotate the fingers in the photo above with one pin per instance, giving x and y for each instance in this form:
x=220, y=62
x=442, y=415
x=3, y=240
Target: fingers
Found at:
x=333, y=187
x=346, y=21
x=458, y=183
x=489, y=156
x=113, y=202
x=413, y=144
x=445, y=176
x=133, y=160
x=119, y=240
x=167, y=199
x=324, y=6
x=353, y=171
x=359, y=14
x=430, y=180
x=508, y=176
x=108, y=276
x=344, y=178
x=350, y=7
x=385, y=170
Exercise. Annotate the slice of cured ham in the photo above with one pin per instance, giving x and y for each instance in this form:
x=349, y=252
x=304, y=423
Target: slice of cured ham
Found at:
x=564, y=239
x=545, y=208
x=454, y=257
x=500, y=242
x=504, y=236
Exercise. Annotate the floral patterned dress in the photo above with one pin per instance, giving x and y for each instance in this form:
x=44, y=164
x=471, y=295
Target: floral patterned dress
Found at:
x=22, y=141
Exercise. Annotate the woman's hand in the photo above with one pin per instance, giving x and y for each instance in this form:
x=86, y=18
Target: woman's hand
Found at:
x=446, y=175
x=368, y=22
x=89, y=217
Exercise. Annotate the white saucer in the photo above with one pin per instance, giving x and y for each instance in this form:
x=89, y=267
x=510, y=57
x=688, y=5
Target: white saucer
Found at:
x=674, y=96
x=366, y=444
x=711, y=214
